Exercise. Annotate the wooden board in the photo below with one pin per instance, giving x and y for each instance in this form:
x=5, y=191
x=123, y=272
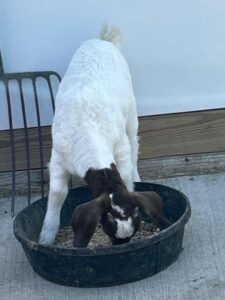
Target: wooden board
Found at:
x=149, y=169
x=160, y=136
x=182, y=133
x=20, y=148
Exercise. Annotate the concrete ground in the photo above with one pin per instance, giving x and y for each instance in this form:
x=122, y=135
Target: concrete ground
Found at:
x=199, y=272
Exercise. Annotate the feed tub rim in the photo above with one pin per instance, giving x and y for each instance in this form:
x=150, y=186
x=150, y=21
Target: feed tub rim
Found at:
x=108, y=250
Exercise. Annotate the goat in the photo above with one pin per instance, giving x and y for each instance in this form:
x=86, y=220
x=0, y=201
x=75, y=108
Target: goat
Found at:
x=115, y=207
x=95, y=129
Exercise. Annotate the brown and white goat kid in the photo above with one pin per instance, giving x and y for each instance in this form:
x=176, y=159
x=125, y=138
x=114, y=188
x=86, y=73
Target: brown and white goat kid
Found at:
x=115, y=208
x=95, y=124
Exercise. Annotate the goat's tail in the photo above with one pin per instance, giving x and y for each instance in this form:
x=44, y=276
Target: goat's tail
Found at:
x=111, y=34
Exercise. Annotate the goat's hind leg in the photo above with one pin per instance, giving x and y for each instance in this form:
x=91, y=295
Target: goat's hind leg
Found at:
x=57, y=194
x=124, y=162
x=132, y=131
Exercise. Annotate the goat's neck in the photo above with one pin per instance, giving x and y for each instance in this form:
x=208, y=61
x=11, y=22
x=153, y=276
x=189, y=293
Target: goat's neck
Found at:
x=92, y=152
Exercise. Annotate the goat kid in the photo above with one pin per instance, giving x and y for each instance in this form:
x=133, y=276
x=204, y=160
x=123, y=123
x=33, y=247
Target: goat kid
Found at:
x=95, y=122
x=115, y=208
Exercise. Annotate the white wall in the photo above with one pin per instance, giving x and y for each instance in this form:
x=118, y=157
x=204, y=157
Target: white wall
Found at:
x=175, y=49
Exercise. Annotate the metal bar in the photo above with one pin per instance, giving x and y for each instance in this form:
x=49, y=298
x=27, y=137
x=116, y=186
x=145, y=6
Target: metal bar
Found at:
x=6, y=82
x=29, y=75
x=1, y=64
x=27, y=144
x=5, y=78
x=39, y=135
x=22, y=170
x=51, y=93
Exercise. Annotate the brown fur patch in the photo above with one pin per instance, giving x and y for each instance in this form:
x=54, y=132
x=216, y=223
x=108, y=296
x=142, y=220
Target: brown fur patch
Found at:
x=102, y=183
x=105, y=180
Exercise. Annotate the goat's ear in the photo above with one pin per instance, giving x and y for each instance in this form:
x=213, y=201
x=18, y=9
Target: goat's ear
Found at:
x=85, y=219
x=109, y=224
x=152, y=205
x=113, y=167
x=115, y=171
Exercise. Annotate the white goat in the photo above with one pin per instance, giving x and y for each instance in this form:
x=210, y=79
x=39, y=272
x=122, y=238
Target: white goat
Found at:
x=95, y=122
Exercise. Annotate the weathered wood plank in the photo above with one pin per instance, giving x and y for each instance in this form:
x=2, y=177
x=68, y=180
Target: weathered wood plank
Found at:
x=160, y=136
x=182, y=133
x=182, y=165
x=151, y=169
x=20, y=148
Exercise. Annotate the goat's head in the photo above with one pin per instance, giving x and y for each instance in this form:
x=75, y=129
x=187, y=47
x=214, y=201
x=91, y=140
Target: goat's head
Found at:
x=115, y=208
x=105, y=180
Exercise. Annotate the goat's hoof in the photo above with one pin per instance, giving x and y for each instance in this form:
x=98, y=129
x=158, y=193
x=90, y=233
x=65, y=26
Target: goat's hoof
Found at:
x=46, y=239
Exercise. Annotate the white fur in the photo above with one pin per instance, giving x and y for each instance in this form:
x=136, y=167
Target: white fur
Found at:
x=95, y=122
x=124, y=228
x=111, y=34
x=116, y=207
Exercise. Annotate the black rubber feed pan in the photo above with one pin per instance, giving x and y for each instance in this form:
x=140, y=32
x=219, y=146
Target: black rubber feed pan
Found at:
x=113, y=265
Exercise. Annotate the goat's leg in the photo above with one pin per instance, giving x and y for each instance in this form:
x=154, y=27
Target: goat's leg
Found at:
x=132, y=131
x=124, y=162
x=57, y=194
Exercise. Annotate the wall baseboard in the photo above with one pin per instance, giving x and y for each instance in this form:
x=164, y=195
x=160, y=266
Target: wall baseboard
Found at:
x=182, y=133
x=149, y=169
x=160, y=136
